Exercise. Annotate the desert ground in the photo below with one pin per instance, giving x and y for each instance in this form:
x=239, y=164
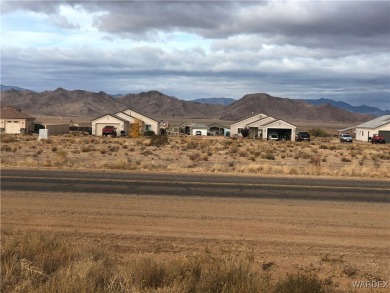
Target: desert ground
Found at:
x=339, y=241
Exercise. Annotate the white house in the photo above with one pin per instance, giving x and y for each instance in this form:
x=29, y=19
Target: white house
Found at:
x=261, y=126
x=14, y=121
x=109, y=120
x=147, y=123
x=380, y=125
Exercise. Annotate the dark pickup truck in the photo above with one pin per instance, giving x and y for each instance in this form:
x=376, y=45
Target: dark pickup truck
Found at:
x=376, y=138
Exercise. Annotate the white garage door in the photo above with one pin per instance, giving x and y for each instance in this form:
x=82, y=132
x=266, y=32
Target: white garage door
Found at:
x=99, y=127
x=12, y=127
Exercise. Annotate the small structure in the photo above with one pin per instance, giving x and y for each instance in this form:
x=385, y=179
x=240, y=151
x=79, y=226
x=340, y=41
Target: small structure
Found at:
x=380, y=125
x=14, y=121
x=261, y=126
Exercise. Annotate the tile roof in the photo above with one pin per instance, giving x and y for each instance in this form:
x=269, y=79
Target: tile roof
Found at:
x=375, y=123
x=9, y=112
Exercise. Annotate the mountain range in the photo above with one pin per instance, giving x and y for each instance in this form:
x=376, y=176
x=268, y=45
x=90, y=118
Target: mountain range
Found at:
x=156, y=104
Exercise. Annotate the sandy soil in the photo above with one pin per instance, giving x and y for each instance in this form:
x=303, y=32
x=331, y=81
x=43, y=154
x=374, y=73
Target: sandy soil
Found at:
x=342, y=242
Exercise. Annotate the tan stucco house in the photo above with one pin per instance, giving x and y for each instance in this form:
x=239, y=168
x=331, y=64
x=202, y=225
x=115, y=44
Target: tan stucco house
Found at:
x=261, y=126
x=123, y=121
x=380, y=125
x=14, y=121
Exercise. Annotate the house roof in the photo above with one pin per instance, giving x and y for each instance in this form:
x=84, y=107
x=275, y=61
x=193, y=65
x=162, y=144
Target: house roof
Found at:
x=112, y=115
x=131, y=110
x=276, y=121
x=375, y=123
x=9, y=112
x=255, y=118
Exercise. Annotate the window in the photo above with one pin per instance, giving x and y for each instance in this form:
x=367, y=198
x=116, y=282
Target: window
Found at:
x=239, y=130
x=148, y=127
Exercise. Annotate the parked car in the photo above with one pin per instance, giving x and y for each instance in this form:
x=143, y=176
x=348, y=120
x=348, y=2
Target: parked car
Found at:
x=376, y=138
x=345, y=137
x=302, y=136
x=273, y=136
x=198, y=132
x=109, y=130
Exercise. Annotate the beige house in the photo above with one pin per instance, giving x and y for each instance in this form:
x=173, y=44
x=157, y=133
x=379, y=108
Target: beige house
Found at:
x=14, y=121
x=380, y=125
x=262, y=126
x=123, y=121
x=147, y=123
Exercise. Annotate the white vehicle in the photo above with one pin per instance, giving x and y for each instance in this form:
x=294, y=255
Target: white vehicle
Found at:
x=273, y=136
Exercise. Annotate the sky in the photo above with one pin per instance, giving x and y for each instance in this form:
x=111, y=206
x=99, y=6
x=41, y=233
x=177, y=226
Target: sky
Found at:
x=201, y=49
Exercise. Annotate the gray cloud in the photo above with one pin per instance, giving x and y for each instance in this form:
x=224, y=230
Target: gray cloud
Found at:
x=287, y=48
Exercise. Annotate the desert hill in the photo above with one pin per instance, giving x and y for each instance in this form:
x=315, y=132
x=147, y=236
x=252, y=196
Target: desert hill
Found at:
x=159, y=105
x=288, y=109
x=83, y=103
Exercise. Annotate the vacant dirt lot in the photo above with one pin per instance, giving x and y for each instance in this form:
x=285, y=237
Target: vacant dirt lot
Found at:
x=321, y=157
x=342, y=242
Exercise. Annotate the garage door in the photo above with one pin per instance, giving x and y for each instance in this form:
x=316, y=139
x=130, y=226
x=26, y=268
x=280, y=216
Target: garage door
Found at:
x=386, y=135
x=99, y=127
x=12, y=127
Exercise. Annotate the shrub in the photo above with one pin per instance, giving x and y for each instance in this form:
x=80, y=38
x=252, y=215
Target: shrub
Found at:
x=54, y=149
x=318, y=132
x=8, y=138
x=5, y=148
x=300, y=283
x=158, y=140
x=245, y=132
x=149, y=133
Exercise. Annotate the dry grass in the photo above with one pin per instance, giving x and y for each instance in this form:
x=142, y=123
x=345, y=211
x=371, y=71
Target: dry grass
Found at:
x=199, y=154
x=46, y=262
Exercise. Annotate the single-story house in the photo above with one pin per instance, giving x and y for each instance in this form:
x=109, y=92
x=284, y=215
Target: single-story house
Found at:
x=261, y=126
x=146, y=123
x=109, y=120
x=380, y=125
x=218, y=129
x=80, y=126
x=123, y=121
x=14, y=121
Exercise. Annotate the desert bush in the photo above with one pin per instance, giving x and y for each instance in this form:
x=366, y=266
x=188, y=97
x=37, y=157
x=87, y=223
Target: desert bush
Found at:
x=345, y=160
x=149, y=133
x=316, y=161
x=194, y=156
x=5, y=148
x=318, y=132
x=8, y=138
x=158, y=140
x=300, y=283
x=245, y=132
x=54, y=149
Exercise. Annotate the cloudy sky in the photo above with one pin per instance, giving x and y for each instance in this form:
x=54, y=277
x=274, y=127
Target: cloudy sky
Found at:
x=201, y=49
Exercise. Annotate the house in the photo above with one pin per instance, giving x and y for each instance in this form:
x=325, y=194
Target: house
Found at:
x=124, y=121
x=14, y=121
x=261, y=126
x=121, y=125
x=216, y=129
x=146, y=123
x=380, y=125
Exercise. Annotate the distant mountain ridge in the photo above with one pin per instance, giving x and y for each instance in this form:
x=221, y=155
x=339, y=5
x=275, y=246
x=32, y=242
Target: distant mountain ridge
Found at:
x=4, y=88
x=160, y=106
x=363, y=109
x=215, y=101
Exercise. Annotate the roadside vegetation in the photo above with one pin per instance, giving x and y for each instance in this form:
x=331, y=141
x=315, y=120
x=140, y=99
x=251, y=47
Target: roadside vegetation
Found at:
x=47, y=262
x=323, y=156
